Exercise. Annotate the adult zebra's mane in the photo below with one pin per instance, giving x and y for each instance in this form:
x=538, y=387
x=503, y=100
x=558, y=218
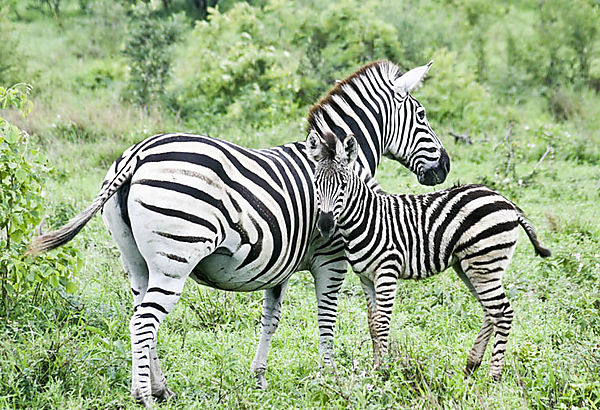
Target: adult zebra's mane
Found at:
x=385, y=67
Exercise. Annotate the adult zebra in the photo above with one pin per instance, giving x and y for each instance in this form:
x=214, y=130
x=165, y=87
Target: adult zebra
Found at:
x=243, y=219
x=389, y=237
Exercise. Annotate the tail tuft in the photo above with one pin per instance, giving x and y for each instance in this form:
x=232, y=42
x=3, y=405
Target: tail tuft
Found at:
x=51, y=240
x=541, y=251
x=530, y=231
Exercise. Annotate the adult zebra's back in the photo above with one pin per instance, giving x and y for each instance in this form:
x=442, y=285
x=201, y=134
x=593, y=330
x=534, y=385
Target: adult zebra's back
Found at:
x=242, y=219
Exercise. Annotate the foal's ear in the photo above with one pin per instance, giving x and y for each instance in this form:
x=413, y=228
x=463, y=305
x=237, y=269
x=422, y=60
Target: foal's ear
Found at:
x=314, y=146
x=350, y=148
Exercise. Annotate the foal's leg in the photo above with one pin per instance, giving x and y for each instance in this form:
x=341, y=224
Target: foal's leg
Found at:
x=487, y=283
x=369, y=290
x=483, y=338
x=385, y=292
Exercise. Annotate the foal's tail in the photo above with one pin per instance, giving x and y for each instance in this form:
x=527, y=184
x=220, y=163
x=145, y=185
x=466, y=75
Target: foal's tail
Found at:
x=530, y=231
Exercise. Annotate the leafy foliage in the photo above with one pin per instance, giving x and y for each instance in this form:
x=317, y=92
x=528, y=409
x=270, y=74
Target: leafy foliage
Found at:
x=11, y=63
x=21, y=207
x=147, y=49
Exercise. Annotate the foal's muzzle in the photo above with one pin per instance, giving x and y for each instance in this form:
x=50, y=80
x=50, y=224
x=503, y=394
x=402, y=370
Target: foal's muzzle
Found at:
x=326, y=224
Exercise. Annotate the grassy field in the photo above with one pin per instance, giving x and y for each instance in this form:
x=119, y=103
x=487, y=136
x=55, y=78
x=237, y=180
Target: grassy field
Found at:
x=71, y=350
x=74, y=351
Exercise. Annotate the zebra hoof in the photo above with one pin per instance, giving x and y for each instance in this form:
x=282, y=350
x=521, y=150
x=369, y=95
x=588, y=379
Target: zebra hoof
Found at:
x=261, y=381
x=497, y=377
x=139, y=398
x=470, y=369
x=147, y=402
x=383, y=370
x=164, y=394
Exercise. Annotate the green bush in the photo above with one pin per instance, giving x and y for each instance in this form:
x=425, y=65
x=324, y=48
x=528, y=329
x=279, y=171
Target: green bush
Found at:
x=11, y=62
x=148, y=52
x=21, y=205
x=232, y=66
x=338, y=40
x=262, y=65
x=453, y=96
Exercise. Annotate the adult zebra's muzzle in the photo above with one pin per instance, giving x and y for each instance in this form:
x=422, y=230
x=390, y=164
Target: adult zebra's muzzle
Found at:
x=437, y=173
x=326, y=224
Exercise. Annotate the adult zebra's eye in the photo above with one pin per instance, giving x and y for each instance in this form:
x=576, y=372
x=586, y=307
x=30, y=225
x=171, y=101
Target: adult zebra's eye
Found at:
x=421, y=115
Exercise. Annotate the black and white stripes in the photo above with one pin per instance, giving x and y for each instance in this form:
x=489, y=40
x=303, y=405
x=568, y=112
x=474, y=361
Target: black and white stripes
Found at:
x=242, y=219
x=389, y=237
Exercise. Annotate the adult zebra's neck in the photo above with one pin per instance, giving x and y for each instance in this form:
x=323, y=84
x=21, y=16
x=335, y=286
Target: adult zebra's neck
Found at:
x=363, y=105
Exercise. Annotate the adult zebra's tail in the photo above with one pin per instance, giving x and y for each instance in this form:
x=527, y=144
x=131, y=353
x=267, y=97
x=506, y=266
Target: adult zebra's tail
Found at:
x=530, y=231
x=51, y=240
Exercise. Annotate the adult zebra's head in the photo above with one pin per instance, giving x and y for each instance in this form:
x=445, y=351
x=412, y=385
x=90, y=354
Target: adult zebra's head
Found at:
x=333, y=167
x=376, y=106
x=415, y=144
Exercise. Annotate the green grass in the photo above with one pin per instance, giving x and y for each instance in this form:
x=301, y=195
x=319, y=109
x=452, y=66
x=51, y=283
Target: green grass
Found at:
x=61, y=350
x=73, y=350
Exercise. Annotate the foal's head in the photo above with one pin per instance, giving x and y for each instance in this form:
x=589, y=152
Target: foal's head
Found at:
x=333, y=169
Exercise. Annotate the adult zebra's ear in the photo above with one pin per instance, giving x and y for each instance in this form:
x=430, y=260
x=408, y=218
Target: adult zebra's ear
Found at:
x=350, y=148
x=410, y=80
x=314, y=146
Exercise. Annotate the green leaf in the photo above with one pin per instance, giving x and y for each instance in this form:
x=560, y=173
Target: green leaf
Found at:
x=71, y=287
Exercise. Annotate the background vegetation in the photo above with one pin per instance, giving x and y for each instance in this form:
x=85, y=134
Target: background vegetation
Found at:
x=513, y=94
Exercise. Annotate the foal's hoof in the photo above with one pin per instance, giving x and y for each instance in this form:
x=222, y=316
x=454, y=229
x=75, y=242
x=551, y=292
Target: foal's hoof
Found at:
x=147, y=402
x=470, y=369
x=164, y=394
x=496, y=377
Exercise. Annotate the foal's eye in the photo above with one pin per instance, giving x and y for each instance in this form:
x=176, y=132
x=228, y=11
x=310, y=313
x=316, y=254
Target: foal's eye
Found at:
x=421, y=115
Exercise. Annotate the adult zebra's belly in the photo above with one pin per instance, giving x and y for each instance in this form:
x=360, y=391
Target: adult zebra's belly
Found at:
x=221, y=270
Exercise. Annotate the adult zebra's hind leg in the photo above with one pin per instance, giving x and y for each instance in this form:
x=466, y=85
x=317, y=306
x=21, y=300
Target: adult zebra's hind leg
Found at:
x=165, y=284
x=137, y=271
x=269, y=321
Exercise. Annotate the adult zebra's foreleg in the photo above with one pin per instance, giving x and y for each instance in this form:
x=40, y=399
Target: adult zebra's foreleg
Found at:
x=328, y=267
x=271, y=313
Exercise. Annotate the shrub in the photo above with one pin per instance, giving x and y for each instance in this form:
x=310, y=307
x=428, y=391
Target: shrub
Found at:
x=11, y=62
x=453, y=96
x=261, y=65
x=148, y=51
x=21, y=206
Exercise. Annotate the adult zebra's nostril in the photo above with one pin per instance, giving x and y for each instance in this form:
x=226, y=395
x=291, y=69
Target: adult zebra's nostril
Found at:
x=445, y=162
x=325, y=223
x=437, y=173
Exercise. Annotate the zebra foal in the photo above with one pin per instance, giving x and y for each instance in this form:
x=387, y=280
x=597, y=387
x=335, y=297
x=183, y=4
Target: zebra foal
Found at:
x=470, y=228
